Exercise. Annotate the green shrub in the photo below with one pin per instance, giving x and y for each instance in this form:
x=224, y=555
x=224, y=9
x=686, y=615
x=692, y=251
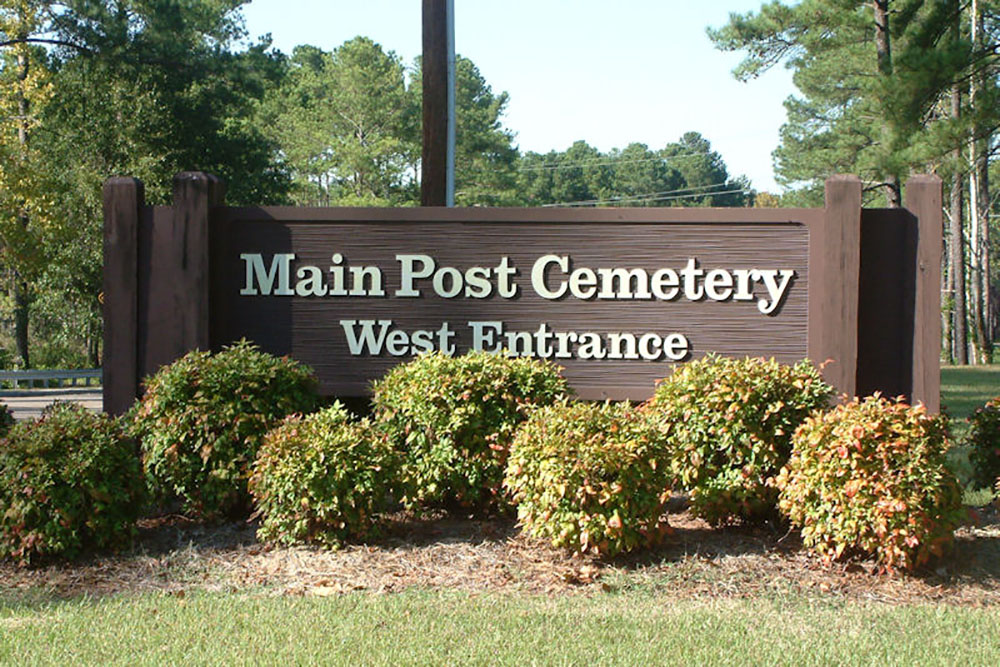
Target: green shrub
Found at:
x=203, y=416
x=587, y=477
x=454, y=418
x=726, y=425
x=322, y=479
x=69, y=481
x=6, y=419
x=870, y=478
x=983, y=440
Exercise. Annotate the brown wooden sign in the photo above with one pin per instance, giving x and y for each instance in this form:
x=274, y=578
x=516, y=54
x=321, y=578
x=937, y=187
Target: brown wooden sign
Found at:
x=615, y=296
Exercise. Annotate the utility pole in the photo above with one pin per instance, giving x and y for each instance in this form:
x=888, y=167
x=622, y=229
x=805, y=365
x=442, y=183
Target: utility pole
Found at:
x=437, y=172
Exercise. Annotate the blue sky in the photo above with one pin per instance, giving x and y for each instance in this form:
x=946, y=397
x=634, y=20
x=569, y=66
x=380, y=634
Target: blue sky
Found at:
x=607, y=72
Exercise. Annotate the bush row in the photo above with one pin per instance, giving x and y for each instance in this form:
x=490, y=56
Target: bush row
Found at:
x=745, y=439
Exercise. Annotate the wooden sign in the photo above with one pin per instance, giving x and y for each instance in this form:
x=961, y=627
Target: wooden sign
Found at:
x=615, y=296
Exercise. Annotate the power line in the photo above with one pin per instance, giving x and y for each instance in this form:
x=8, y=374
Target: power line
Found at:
x=597, y=162
x=648, y=195
x=640, y=199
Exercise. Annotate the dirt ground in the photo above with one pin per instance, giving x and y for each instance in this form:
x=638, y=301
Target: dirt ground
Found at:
x=173, y=554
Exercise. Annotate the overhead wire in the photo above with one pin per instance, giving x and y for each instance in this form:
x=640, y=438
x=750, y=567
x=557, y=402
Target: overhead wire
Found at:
x=649, y=195
x=597, y=162
x=643, y=198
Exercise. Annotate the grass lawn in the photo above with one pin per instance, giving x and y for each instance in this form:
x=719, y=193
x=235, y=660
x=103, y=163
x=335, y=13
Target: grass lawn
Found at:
x=420, y=627
x=963, y=389
x=467, y=592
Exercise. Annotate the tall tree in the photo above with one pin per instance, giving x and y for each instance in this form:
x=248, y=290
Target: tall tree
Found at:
x=684, y=173
x=485, y=154
x=141, y=88
x=886, y=88
x=340, y=120
x=868, y=71
x=703, y=172
x=640, y=177
x=25, y=205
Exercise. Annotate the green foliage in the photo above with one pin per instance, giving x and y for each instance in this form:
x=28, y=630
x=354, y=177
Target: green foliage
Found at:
x=322, y=479
x=6, y=419
x=588, y=477
x=983, y=440
x=876, y=108
x=202, y=418
x=454, y=418
x=69, y=481
x=342, y=121
x=485, y=155
x=684, y=173
x=727, y=425
x=870, y=477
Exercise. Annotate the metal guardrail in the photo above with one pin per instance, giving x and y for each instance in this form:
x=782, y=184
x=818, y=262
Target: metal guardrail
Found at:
x=51, y=377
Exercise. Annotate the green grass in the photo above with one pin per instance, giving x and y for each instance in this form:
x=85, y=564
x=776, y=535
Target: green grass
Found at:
x=963, y=389
x=637, y=625
x=450, y=628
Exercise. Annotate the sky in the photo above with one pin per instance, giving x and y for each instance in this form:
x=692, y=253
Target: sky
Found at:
x=607, y=72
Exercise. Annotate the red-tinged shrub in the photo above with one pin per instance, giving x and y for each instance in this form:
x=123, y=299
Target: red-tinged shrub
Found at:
x=203, y=416
x=322, y=479
x=6, y=419
x=983, y=441
x=870, y=478
x=587, y=477
x=69, y=481
x=726, y=425
x=453, y=419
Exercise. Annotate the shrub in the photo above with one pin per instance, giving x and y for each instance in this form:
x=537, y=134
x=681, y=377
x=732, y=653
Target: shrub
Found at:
x=726, y=425
x=69, y=481
x=586, y=476
x=983, y=440
x=6, y=419
x=454, y=418
x=322, y=479
x=870, y=477
x=203, y=416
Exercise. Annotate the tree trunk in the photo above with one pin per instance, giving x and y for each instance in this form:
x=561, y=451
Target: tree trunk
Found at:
x=883, y=49
x=979, y=207
x=94, y=344
x=959, y=337
x=21, y=301
x=947, y=304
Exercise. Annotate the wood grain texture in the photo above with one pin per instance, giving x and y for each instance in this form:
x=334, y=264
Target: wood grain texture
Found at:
x=923, y=198
x=835, y=258
x=309, y=328
x=123, y=202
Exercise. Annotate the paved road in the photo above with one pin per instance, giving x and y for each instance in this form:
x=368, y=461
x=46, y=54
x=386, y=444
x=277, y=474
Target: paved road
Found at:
x=28, y=403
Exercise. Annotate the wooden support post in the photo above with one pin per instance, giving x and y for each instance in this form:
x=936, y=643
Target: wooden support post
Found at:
x=176, y=307
x=923, y=199
x=834, y=271
x=434, y=164
x=195, y=193
x=123, y=201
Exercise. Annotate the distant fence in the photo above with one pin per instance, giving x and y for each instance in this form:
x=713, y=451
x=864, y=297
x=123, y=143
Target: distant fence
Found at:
x=50, y=378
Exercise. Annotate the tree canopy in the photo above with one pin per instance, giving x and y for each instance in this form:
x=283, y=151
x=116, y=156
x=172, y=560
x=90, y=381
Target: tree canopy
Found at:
x=888, y=88
x=147, y=88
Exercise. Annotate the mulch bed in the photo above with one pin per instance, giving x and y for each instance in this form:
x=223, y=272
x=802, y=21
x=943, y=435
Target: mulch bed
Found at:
x=174, y=555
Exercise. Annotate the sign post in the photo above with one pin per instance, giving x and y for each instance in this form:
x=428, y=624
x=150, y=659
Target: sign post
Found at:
x=437, y=171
